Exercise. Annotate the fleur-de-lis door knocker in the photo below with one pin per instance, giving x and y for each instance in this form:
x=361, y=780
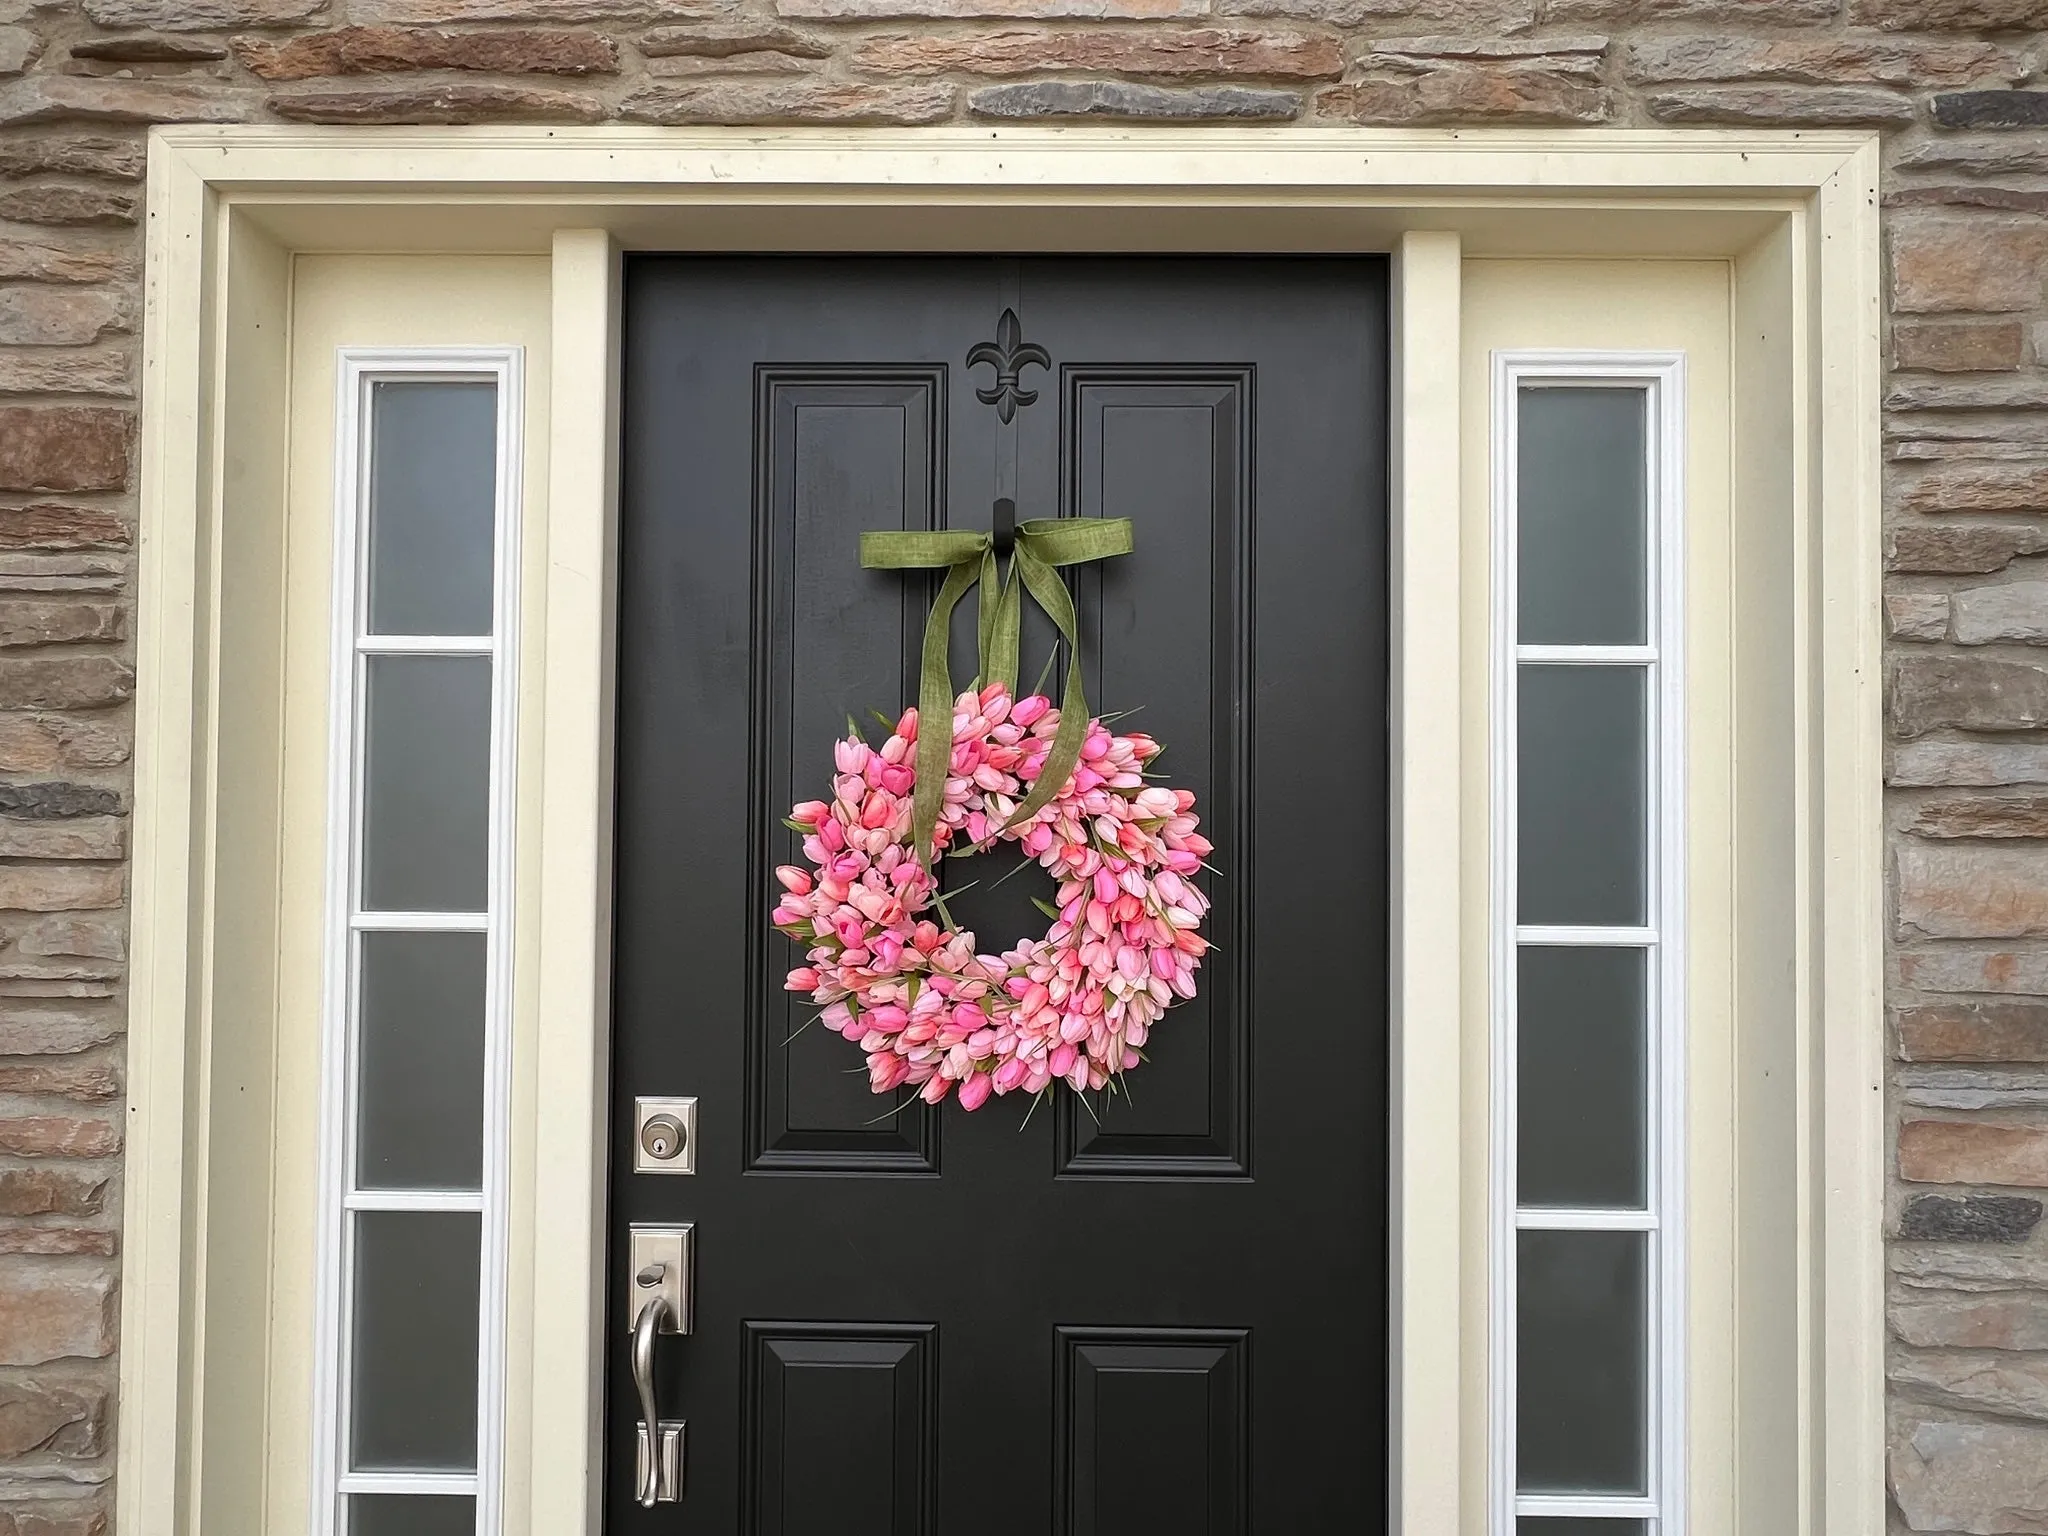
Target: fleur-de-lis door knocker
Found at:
x=1008, y=354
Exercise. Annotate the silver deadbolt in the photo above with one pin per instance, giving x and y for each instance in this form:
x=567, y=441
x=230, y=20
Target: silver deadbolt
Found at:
x=664, y=1135
x=661, y=1138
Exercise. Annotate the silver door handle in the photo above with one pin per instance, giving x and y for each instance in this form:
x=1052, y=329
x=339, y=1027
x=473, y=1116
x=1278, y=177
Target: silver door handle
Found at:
x=661, y=1259
x=647, y=1467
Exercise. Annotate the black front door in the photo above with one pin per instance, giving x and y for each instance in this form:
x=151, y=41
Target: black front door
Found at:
x=1167, y=1320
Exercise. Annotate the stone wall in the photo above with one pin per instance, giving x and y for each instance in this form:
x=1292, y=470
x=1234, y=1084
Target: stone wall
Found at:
x=1955, y=84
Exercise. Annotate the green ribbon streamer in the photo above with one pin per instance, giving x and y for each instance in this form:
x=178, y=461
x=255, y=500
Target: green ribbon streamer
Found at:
x=967, y=558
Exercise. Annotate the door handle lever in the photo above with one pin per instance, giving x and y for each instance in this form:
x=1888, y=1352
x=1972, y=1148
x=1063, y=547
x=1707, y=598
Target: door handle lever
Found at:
x=661, y=1304
x=658, y=1481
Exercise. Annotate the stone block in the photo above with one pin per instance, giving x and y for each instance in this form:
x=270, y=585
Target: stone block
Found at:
x=69, y=934
x=1968, y=549
x=90, y=572
x=1737, y=13
x=1456, y=91
x=1944, y=265
x=437, y=102
x=1916, y=615
x=47, y=1192
x=1989, y=156
x=58, y=1136
x=1802, y=106
x=2016, y=1320
x=1983, y=1479
x=1836, y=60
x=1941, y=347
x=565, y=12
x=1974, y=1152
x=2013, y=1385
x=1990, y=109
x=47, y=98
x=39, y=316
x=47, y=743
x=1972, y=394
x=88, y=837
x=1970, y=1219
x=64, y=682
x=728, y=39
x=60, y=888
x=55, y=1314
x=63, y=525
x=55, y=800
x=2019, y=487
x=808, y=101
x=40, y=261
x=59, y=204
x=1119, y=101
x=204, y=15
x=53, y=1520
x=102, y=372
x=1040, y=10
x=1967, y=892
x=1971, y=693
x=149, y=48
x=87, y=1082
x=1980, y=816
x=55, y=1418
x=64, y=448
x=19, y=48
x=382, y=50
x=1967, y=968
x=2016, y=611
x=1931, y=764
x=1208, y=51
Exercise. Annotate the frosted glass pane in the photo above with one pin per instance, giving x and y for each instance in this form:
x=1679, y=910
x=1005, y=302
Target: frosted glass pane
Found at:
x=1581, y=1033
x=1552, y=1525
x=1581, y=1390
x=1582, y=508
x=433, y=502
x=420, y=1073
x=1584, y=780
x=426, y=783
x=414, y=1362
x=407, y=1514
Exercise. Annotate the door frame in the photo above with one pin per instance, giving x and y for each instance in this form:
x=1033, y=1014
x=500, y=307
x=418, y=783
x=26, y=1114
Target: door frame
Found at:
x=1793, y=213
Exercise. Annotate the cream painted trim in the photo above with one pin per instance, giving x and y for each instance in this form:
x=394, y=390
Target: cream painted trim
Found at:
x=1424, y=1372
x=573, y=957
x=217, y=192
x=1850, y=845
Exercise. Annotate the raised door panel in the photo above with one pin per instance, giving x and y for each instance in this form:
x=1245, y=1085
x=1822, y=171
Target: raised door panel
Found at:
x=1170, y=447
x=838, y=450
x=841, y=1429
x=1154, y=1431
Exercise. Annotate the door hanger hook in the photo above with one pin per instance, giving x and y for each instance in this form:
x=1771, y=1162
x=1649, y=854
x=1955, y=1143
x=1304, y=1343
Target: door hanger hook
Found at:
x=1005, y=529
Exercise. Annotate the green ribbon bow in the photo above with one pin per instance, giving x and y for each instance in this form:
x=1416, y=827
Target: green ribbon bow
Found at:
x=1041, y=544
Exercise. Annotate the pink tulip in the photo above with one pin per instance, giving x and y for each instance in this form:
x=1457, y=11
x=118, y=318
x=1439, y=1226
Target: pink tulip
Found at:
x=974, y=1090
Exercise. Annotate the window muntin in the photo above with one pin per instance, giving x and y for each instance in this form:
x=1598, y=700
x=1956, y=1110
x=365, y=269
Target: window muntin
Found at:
x=418, y=998
x=1587, y=1355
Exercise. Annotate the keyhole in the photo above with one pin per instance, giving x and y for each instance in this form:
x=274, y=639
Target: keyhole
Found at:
x=662, y=1137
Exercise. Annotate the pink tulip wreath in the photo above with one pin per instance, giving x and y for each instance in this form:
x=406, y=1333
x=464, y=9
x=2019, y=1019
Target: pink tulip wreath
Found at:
x=930, y=1012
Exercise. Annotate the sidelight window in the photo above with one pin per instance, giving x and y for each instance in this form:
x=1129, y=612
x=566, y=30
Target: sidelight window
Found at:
x=1586, y=1166
x=418, y=995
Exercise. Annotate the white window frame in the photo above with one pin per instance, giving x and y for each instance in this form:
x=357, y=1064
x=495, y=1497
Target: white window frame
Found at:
x=1661, y=377
x=358, y=371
